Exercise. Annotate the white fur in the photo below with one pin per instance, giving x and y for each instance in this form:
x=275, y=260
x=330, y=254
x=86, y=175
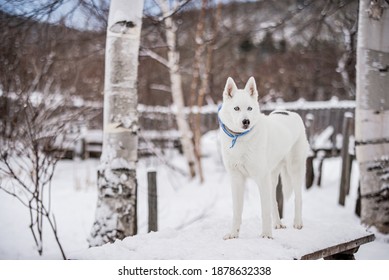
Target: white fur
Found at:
x=276, y=145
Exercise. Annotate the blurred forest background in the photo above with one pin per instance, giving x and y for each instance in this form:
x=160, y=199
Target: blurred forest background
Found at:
x=295, y=49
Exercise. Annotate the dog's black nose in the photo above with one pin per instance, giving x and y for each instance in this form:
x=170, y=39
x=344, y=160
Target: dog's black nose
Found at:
x=246, y=122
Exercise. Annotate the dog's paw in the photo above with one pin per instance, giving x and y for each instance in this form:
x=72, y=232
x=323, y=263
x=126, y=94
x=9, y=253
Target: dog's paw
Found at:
x=230, y=236
x=279, y=226
x=298, y=225
x=266, y=235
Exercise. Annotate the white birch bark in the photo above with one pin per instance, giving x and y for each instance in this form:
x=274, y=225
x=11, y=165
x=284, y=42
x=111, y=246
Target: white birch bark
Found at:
x=176, y=85
x=372, y=112
x=117, y=184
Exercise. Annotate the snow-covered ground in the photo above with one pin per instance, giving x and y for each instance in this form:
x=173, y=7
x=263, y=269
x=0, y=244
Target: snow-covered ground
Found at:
x=192, y=217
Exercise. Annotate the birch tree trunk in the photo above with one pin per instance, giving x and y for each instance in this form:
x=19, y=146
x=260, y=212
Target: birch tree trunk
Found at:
x=176, y=85
x=116, y=214
x=194, y=88
x=372, y=112
x=210, y=47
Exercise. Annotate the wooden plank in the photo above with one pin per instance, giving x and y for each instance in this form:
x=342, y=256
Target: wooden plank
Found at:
x=337, y=249
x=280, y=198
x=346, y=171
x=153, y=200
x=346, y=255
x=310, y=173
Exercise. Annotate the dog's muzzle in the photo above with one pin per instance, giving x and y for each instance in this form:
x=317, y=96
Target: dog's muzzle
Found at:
x=246, y=123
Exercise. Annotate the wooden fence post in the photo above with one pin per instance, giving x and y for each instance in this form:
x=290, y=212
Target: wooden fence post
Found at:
x=310, y=173
x=152, y=198
x=309, y=120
x=358, y=203
x=346, y=159
x=309, y=177
x=321, y=155
x=280, y=197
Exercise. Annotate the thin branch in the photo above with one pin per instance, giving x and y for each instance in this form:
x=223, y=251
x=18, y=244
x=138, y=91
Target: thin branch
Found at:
x=165, y=13
x=53, y=225
x=155, y=56
x=12, y=173
x=14, y=195
x=285, y=19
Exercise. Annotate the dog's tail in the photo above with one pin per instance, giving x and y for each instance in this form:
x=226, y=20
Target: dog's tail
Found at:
x=287, y=184
x=294, y=168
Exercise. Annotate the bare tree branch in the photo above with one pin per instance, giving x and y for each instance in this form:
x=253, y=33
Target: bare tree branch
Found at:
x=173, y=11
x=155, y=56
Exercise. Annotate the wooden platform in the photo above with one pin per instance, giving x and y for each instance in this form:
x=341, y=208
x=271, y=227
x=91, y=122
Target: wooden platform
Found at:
x=342, y=251
x=330, y=231
x=316, y=241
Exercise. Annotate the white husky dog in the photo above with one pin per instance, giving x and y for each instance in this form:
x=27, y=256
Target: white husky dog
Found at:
x=262, y=148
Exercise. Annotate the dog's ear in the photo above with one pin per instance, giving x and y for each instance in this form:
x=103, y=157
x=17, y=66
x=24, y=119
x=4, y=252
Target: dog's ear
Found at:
x=251, y=87
x=229, y=88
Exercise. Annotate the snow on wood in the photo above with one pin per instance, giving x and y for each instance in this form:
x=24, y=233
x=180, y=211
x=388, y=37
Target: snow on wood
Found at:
x=323, y=140
x=203, y=240
x=197, y=233
x=188, y=209
x=296, y=105
x=78, y=101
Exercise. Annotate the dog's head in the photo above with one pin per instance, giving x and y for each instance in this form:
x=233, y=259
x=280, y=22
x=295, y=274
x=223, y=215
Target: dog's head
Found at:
x=240, y=106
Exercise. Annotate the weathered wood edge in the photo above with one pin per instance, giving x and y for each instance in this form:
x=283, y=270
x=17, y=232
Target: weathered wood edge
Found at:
x=336, y=249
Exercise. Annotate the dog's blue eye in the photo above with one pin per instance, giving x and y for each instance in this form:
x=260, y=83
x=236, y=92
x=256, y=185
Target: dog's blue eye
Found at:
x=249, y=108
x=236, y=108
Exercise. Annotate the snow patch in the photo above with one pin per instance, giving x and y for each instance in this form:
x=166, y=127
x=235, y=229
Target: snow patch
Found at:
x=192, y=217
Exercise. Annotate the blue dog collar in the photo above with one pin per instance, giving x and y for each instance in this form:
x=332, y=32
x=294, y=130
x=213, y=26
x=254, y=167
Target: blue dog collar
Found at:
x=228, y=132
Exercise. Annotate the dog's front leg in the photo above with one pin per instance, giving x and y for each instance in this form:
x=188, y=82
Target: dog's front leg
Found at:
x=265, y=188
x=237, y=188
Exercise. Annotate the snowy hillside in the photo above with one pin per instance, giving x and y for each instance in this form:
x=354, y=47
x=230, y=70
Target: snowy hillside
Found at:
x=192, y=218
